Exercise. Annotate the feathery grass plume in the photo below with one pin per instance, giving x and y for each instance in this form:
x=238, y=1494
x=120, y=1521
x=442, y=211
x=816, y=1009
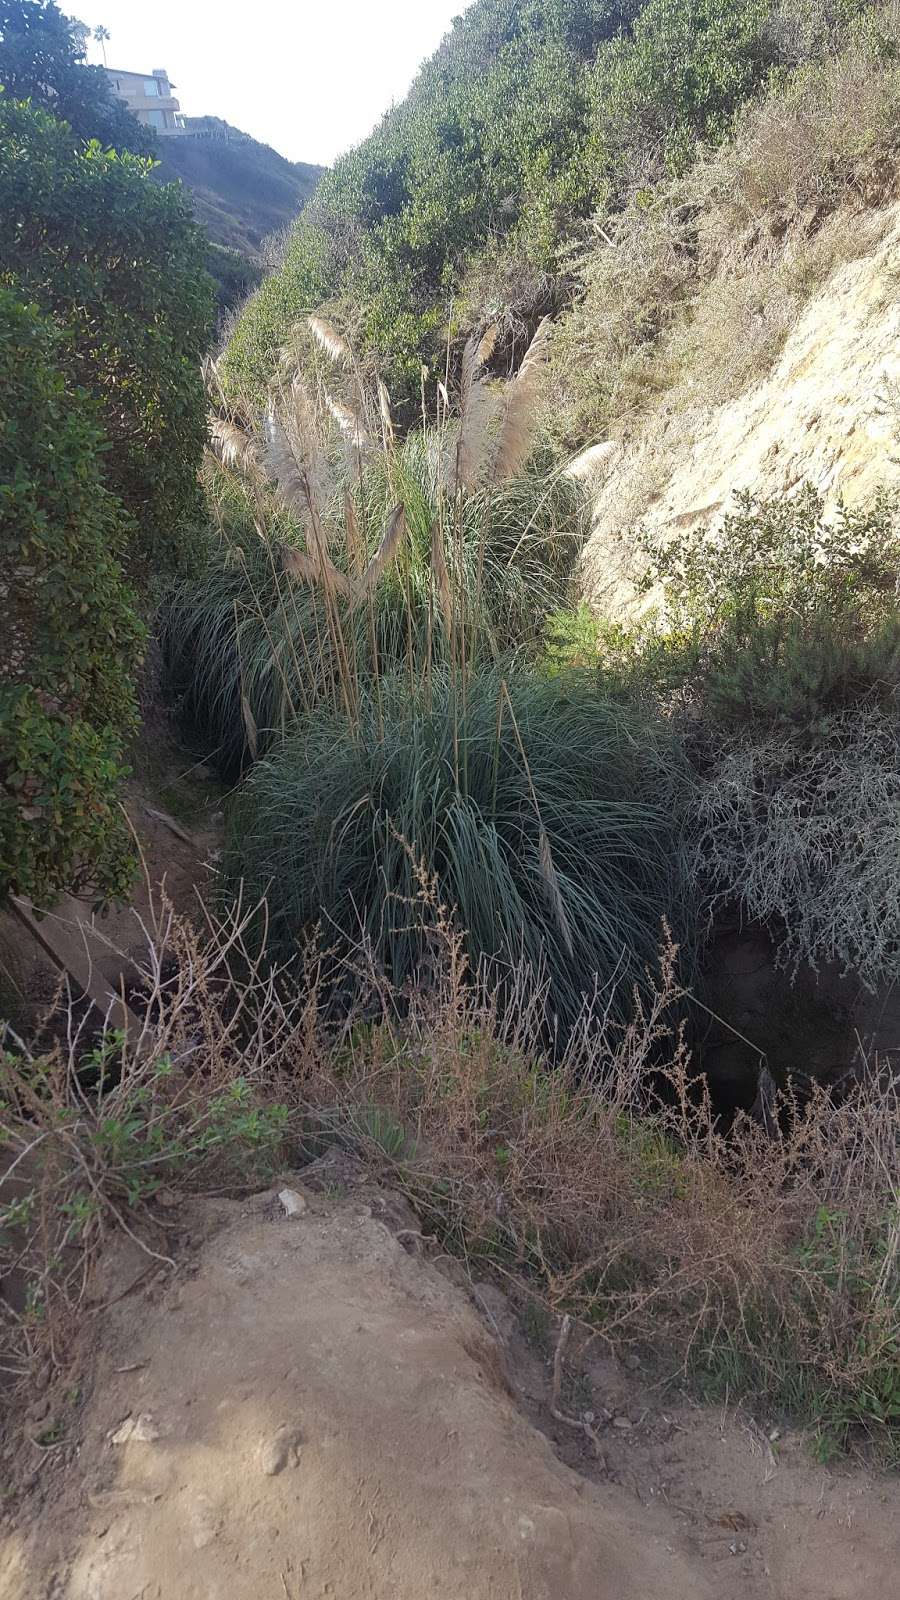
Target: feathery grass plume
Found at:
x=339, y=822
x=333, y=343
x=516, y=436
x=293, y=447
x=234, y=445
x=478, y=406
x=554, y=894
x=212, y=381
x=441, y=576
x=283, y=466
x=349, y=421
x=384, y=556
x=314, y=569
x=387, y=420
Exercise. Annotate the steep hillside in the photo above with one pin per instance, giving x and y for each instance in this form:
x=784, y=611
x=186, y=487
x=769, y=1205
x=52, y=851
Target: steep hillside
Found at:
x=821, y=413
x=242, y=190
x=533, y=116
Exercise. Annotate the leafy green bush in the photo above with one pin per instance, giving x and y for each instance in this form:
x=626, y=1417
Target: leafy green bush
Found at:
x=117, y=262
x=547, y=819
x=72, y=639
x=786, y=615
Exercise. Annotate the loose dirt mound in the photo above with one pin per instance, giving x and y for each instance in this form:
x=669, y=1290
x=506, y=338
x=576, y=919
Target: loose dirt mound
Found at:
x=304, y=1409
x=315, y=1412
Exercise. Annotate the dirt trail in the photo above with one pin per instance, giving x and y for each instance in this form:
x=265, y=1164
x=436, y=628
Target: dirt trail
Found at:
x=303, y=1409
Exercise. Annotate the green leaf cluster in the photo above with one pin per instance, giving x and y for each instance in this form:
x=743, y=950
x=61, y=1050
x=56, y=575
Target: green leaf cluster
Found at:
x=72, y=638
x=118, y=264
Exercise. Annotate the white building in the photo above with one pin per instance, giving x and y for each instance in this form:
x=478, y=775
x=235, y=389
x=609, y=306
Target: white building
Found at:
x=148, y=97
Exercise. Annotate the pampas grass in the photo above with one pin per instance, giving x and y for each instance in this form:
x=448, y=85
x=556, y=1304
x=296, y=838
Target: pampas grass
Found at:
x=546, y=819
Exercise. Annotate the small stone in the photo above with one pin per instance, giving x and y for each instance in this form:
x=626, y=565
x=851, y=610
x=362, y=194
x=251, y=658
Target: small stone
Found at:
x=282, y=1450
x=623, y=1424
x=292, y=1203
x=38, y=1409
x=143, y=1429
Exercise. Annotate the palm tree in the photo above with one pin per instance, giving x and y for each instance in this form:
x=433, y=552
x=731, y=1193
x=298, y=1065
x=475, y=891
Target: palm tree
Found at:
x=101, y=35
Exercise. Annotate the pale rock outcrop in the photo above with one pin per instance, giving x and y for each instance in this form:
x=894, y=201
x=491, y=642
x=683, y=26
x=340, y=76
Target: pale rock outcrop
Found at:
x=824, y=414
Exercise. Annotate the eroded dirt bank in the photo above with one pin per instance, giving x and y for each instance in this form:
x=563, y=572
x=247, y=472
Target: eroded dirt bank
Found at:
x=307, y=1407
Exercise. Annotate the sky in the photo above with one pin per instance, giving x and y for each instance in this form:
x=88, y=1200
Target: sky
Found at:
x=310, y=77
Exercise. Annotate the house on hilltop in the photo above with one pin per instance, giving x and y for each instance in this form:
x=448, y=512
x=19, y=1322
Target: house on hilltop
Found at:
x=149, y=97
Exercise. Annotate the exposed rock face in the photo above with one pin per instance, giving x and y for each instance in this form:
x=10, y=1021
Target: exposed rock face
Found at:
x=823, y=414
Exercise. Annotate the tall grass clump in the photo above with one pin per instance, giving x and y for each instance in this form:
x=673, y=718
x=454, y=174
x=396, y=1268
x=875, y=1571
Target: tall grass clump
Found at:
x=345, y=553
x=545, y=819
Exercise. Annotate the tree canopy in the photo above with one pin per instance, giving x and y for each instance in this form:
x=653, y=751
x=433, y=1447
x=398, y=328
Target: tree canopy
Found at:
x=42, y=59
x=118, y=262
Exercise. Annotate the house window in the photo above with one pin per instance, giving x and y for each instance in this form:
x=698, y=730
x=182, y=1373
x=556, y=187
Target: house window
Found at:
x=151, y=87
x=157, y=118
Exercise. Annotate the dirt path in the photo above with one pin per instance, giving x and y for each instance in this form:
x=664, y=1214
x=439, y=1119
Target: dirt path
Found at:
x=303, y=1409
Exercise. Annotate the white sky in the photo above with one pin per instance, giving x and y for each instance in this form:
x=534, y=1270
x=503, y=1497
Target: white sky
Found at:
x=311, y=77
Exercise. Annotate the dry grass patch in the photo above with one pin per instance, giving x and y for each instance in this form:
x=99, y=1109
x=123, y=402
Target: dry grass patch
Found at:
x=764, y=1263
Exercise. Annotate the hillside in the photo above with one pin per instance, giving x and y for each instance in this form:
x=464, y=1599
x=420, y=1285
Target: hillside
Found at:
x=531, y=119
x=242, y=190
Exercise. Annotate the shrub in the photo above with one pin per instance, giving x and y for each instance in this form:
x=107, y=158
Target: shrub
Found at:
x=72, y=637
x=805, y=836
x=786, y=615
x=689, y=290
x=117, y=262
x=547, y=819
x=527, y=120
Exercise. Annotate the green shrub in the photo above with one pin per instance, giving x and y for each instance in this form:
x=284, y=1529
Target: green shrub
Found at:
x=547, y=819
x=117, y=262
x=72, y=639
x=691, y=287
x=786, y=615
x=532, y=115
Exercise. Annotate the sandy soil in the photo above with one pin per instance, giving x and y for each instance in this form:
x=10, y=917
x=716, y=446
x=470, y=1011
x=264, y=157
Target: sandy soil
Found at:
x=306, y=1406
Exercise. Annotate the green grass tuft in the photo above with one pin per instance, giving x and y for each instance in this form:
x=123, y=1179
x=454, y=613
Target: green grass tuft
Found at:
x=547, y=819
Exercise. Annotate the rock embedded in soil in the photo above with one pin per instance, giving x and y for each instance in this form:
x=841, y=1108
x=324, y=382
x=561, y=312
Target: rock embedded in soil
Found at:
x=280, y=1451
